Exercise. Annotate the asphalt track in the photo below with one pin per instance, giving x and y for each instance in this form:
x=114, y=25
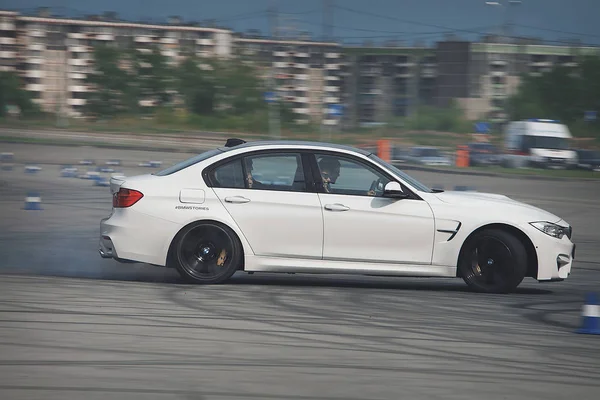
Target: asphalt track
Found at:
x=75, y=326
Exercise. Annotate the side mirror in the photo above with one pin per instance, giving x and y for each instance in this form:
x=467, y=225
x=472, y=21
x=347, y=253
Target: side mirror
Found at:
x=394, y=190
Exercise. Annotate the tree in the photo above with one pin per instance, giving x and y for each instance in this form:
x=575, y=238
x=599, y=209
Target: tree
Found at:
x=239, y=87
x=113, y=83
x=154, y=77
x=196, y=86
x=12, y=94
x=562, y=93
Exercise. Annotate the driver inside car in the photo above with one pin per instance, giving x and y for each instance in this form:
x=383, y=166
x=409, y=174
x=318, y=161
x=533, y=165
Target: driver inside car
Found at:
x=330, y=171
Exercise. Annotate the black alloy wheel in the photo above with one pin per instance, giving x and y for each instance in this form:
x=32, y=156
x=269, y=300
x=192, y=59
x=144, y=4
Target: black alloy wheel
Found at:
x=493, y=261
x=207, y=252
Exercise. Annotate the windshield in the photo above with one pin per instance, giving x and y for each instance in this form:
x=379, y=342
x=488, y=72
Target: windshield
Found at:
x=186, y=163
x=547, y=142
x=407, y=178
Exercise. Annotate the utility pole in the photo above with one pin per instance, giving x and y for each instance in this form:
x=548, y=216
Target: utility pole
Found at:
x=511, y=63
x=274, y=120
x=327, y=19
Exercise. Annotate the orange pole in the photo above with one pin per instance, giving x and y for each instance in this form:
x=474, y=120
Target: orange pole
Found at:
x=383, y=149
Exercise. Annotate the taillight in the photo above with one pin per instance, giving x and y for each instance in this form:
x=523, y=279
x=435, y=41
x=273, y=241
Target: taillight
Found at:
x=126, y=198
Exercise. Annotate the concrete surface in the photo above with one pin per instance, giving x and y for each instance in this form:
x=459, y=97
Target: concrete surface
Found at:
x=74, y=326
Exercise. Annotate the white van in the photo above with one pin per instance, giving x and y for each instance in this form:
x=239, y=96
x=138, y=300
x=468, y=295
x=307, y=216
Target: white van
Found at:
x=539, y=143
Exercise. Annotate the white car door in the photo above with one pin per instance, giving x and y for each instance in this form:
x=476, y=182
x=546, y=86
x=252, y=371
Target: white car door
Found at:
x=361, y=225
x=274, y=209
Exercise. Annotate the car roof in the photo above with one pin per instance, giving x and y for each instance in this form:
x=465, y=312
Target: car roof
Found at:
x=300, y=143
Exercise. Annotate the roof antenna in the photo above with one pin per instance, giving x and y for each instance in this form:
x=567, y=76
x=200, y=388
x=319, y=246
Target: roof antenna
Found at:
x=234, y=142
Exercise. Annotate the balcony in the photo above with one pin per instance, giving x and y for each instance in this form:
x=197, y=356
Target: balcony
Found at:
x=332, y=89
x=33, y=73
x=36, y=33
x=280, y=54
x=36, y=47
x=497, y=73
x=332, y=55
x=8, y=40
x=79, y=49
x=76, y=35
x=428, y=72
x=301, y=54
x=79, y=62
x=540, y=64
x=143, y=39
x=169, y=53
x=168, y=40
x=76, y=102
x=280, y=64
x=331, y=100
x=301, y=99
x=34, y=87
x=330, y=122
x=332, y=67
x=498, y=63
x=7, y=26
x=300, y=65
x=105, y=37
x=8, y=54
x=75, y=75
x=78, y=88
x=205, y=42
x=301, y=77
x=301, y=110
x=332, y=78
x=34, y=60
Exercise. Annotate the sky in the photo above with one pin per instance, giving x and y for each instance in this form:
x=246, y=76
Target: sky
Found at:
x=355, y=21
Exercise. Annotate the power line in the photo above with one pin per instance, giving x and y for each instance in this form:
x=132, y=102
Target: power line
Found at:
x=472, y=31
x=556, y=31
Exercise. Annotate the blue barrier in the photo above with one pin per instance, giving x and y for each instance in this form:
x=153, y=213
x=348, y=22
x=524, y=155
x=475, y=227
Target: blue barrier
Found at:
x=33, y=201
x=32, y=169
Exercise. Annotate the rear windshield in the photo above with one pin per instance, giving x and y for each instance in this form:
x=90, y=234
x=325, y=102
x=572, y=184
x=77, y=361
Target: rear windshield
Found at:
x=190, y=161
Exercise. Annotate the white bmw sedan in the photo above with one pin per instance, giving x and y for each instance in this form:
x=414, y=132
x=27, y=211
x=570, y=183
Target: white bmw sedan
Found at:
x=306, y=207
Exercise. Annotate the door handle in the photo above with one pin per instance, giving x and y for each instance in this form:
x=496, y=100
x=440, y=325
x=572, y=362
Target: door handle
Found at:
x=336, y=207
x=237, y=199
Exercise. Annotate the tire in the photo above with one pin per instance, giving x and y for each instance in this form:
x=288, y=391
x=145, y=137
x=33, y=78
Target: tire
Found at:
x=198, y=249
x=493, y=261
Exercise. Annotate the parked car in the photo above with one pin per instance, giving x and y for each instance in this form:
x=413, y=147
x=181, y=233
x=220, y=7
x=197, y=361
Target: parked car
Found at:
x=588, y=160
x=431, y=156
x=484, y=154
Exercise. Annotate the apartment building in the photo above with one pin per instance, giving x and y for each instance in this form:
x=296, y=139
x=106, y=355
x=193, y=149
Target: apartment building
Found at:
x=387, y=82
x=54, y=55
x=482, y=75
x=8, y=40
x=306, y=74
x=374, y=84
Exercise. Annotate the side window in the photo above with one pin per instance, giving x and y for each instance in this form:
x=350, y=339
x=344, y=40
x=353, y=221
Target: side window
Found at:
x=275, y=172
x=345, y=176
x=229, y=175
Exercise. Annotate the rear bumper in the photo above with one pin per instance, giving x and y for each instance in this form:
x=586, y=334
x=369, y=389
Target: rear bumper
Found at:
x=128, y=236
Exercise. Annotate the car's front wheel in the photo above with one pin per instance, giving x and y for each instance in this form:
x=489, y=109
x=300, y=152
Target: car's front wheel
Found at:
x=207, y=252
x=493, y=261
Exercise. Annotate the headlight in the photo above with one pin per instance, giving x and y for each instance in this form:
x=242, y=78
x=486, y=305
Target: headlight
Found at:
x=553, y=230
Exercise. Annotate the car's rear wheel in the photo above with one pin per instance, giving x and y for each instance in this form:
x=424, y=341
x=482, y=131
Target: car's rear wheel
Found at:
x=207, y=252
x=493, y=261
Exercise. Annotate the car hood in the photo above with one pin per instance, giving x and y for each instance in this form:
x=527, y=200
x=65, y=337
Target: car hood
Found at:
x=496, y=204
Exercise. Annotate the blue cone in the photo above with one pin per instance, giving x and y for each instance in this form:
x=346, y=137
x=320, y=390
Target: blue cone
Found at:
x=591, y=316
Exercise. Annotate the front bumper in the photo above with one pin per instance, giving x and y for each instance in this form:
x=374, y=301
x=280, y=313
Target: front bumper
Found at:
x=555, y=256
